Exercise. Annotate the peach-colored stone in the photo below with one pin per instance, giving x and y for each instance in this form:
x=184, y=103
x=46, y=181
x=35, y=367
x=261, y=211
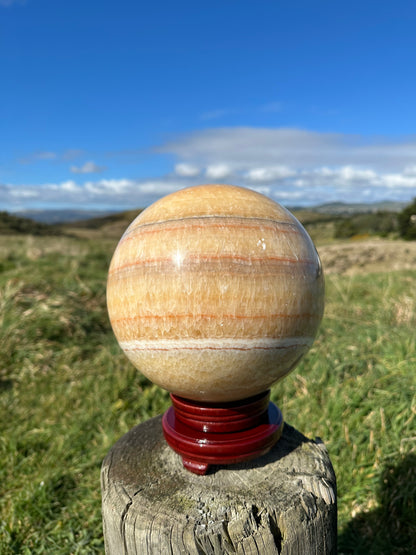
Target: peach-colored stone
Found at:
x=214, y=292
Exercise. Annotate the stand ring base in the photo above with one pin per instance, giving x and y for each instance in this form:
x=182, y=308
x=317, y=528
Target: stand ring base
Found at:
x=243, y=434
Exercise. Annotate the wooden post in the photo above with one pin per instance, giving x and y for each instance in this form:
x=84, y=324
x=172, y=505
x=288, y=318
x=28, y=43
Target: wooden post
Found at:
x=281, y=503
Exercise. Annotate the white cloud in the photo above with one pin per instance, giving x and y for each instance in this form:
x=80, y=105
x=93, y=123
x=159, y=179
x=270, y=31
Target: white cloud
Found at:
x=247, y=148
x=157, y=188
x=186, y=170
x=129, y=189
x=88, y=167
x=346, y=173
x=251, y=147
x=305, y=165
x=293, y=166
x=105, y=193
x=109, y=187
x=23, y=194
x=410, y=170
x=271, y=173
x=218, y=171
x=67, y=187
x=394, y=181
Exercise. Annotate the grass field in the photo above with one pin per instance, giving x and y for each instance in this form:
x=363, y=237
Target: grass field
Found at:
x=67, y=393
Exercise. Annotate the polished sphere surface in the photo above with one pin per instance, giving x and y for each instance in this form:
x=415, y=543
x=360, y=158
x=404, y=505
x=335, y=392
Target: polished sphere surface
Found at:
x=215, y=292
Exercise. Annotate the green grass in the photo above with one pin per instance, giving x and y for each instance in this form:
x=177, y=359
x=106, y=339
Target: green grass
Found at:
x=356, y=390
x=67, y=393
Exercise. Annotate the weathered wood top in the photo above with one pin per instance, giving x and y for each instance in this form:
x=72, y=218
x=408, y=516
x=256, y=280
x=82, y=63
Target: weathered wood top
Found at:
x=283, y=502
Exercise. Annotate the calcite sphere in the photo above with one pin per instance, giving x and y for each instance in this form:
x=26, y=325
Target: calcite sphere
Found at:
x=215, y=292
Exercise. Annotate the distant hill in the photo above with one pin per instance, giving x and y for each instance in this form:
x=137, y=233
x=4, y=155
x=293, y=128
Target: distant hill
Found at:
x=322, y=221
x=11, y=224
x=347, y=209
x=61, y=216
x=110, y=226
x=104, y=220
x=334, y=208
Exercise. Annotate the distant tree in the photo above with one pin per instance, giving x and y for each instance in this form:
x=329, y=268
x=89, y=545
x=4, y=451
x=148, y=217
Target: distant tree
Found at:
x=11, y=224
x=345, y=228
x=407, y=222
x=369, y=223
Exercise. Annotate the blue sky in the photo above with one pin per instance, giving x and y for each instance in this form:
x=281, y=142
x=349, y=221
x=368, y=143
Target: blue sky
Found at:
x=109, y=104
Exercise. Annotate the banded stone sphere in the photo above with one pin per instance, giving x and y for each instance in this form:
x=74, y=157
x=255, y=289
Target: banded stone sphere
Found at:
x=215, y=292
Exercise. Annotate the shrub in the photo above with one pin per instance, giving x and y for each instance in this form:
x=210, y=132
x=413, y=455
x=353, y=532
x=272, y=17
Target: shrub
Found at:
x=407, y=222
x=371, y=223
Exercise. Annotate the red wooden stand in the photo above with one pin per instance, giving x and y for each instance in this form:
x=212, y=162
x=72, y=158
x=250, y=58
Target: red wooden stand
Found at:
x=226, y=433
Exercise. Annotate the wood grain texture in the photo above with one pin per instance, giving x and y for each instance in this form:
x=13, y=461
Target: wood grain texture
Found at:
x=215, y=292
x=282, y=503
